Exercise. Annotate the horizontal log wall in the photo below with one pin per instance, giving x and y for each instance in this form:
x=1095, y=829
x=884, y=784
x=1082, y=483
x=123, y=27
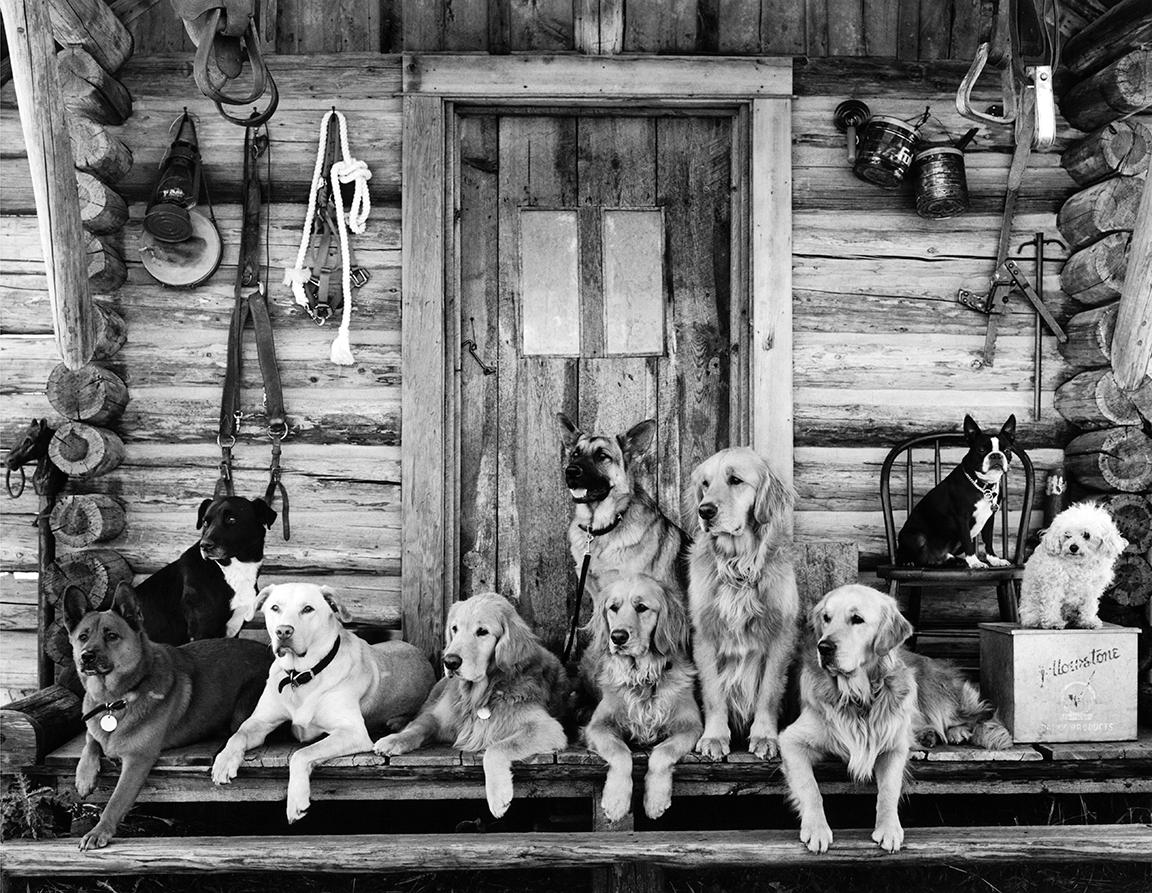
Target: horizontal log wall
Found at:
x=882, y=349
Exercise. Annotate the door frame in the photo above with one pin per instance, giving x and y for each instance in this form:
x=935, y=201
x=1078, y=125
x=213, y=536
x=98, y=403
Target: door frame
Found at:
x=435, y=86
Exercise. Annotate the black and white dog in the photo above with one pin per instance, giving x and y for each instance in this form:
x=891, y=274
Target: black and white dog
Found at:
x=210, y=590
x=943, y=527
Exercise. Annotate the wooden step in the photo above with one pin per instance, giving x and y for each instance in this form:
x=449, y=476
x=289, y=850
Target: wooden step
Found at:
x=669, y=849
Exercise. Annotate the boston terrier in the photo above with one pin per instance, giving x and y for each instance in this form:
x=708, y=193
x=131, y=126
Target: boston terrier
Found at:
x=943, y=526
x=210, y=590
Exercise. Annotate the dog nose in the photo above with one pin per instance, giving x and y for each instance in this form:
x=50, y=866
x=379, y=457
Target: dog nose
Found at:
x=707, y=511
x=619, y=636
x=1074, y=548
x=826, y=647
x=452, y=661
x=86, y=657
x=284, y=632
x=572, y=472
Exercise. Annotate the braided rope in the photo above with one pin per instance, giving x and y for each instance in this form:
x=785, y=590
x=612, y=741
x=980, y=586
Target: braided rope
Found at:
x=297, y=277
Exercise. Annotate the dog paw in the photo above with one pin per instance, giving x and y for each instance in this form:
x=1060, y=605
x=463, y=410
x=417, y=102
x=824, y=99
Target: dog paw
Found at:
x=816, y=835
x=657, y=795
x=765, y=748
x=1089, y=623
x=498, y=789
x=299, y=799
x=973, y=561
x=225, y=767
x=997, y=561
x=97, y=838
x=713, y=748
x=390, y=745
x=889, y=835
x=86, y=775
x=617, y=800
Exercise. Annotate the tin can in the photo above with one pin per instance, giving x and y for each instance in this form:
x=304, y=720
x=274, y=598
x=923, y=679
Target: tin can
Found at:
x=885, y=150
x=941, y=187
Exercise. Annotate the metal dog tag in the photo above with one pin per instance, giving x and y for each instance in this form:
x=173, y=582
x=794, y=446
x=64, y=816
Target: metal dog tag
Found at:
x=483, y=713
x=108, y=722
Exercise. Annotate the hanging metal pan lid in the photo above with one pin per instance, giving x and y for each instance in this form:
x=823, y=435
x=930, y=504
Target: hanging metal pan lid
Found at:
x=184, y=264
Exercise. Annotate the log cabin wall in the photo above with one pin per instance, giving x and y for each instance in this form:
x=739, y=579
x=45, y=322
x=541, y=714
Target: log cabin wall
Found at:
x=882, y=349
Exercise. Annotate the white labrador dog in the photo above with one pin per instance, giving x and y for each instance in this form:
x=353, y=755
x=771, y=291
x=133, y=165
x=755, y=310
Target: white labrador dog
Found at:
x=325, y=681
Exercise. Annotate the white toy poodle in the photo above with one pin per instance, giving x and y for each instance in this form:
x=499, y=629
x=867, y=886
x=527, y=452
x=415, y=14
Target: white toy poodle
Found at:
x=1070, y=569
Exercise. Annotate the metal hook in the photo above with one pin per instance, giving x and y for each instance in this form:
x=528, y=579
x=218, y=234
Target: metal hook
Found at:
x=471, y=345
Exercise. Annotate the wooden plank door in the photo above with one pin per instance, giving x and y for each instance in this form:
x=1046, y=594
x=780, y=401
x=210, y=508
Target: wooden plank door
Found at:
x=514, y=509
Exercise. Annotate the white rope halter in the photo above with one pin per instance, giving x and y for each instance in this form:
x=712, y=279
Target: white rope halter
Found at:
x=346, y=170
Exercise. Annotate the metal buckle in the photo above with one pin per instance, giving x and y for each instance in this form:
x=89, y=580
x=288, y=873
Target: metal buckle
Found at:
x=359, y=277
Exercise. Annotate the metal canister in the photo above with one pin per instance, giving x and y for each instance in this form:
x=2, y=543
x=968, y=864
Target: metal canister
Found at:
x=941, y=187
x=885, y=150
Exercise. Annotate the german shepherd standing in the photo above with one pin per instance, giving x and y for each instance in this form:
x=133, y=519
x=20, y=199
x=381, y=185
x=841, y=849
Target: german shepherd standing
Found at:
x=628, y=532
x=141, y=697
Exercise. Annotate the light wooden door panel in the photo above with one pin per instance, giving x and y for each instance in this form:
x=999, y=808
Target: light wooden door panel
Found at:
x=514, y=510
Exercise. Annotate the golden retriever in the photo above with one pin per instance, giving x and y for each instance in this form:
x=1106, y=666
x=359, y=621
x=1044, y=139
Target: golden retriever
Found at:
x=639, y=662
x=743, y=600
x=503, y=693
x=866, y=700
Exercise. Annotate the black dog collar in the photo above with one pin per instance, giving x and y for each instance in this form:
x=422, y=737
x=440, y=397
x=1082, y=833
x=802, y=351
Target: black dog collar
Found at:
x=296, y=678
x=108, y=721
x=592, y=531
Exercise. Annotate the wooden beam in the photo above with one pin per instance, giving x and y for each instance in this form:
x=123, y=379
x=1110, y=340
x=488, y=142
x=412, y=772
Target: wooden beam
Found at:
x=1132, y=339
x=324, y=854
x=128, y=11
x=91, y=24
x=665, y=78
x=423, y=459
x=41, y=102
x=1121, y=29
x=771, y=232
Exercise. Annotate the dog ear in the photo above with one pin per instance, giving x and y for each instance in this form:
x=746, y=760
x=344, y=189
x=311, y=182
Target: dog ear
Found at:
x=338, y=609
x=200, y=514
x=1008, y=432
x=971, y=429
x=637, y=440
x=1111, y=539
x=671, y=633
x=517, y=645
x=261, y=597
x=125, y=603
x=816, y=617
x=773, y=498
x=1050, y=540
x=265, y=514
x=569, y=433
x=449, y=620
x=75, y=607
x=894, y=629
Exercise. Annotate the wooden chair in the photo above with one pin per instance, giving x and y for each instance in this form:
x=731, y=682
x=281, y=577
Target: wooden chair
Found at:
x=1007, y=580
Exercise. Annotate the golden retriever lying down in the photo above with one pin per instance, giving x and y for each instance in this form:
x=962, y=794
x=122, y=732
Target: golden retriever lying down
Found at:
x=503, y=694
x=866, y=700
x=638, y=660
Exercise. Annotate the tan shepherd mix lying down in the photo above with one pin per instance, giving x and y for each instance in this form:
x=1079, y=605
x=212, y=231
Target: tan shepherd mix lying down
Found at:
x=743, y=599
x=866, y=700
x=638, y=661
x=503, y=694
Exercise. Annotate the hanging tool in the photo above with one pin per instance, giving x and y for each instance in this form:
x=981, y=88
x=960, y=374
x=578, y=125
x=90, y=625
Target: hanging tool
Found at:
x=1038, y=242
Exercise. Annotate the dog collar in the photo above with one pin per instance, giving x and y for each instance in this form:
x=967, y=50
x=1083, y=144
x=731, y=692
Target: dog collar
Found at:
x=295, y=678
x=601, y=531
x=108, y=721
x=990, y=490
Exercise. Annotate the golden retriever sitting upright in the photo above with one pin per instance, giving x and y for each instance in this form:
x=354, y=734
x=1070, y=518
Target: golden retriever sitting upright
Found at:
x=503, y=694
x=866, y=700
x=743, y=599
x=639, y=662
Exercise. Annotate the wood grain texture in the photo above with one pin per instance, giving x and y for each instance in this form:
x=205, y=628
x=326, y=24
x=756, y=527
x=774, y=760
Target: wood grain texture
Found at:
x=422, y=388
x=92, y=25
x=1132, y=339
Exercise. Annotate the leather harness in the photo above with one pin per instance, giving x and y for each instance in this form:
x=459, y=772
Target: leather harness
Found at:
x=252, y=303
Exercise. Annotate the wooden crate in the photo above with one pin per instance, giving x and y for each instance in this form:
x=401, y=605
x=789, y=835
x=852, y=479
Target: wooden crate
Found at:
x=1055, y=685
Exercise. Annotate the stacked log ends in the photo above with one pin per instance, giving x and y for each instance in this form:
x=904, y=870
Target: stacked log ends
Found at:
x=1132, y=513
x=106, y=268
x=80, y=520
x=89, y=90
x=96, y=572
x=1106, y=207
x=1095, y=275
x=1126, y=25
x=102, y=209
x=111, y=333
x=34, y=726
x=91, y=24
x=96, y=151
x=1093, y=400
x=88, y=394
x=1141, y=398
x=1111, y=459
x=1089, y=341
x=82, y=450
x=1131, y=581
x=1121, y=89
x=1121, y=147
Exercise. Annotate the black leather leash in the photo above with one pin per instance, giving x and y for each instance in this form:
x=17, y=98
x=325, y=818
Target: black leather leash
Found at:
x=589, y=535
x=252, y=305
